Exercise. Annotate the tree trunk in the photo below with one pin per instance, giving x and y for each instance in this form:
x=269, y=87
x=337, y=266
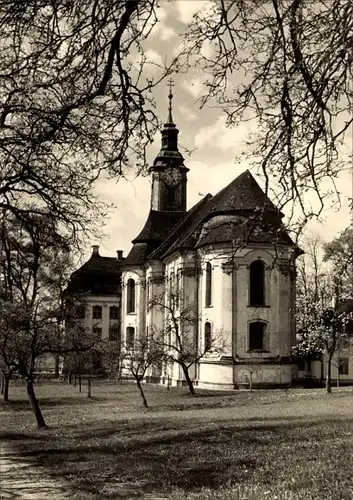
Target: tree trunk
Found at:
x=188, y=379
x=2, y=384
x=35, y=405
x=89, y=394
x=79, y=383
x=138, y=381
x=328, y=374
x=57, y=366
x=6, y=383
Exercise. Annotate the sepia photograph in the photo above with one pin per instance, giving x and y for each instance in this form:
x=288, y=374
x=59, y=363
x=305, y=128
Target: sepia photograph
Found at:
x=176, y=249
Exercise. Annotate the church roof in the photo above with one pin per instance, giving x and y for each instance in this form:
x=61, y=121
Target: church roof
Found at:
x=138, y=254
x=243, y=193
x=98, y=276
x=158, y=226
x=239, y=213
x=183, y=230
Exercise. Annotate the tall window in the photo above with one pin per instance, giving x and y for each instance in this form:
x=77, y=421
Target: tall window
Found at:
x=113, y=312
x=130, y=296
x=257, y=336
x=257, y=283
x=169, y=335
x=80, y=311
x=177, y=290
x=130, y=337
x=208, y=338
x=97, y=312
x=171, y=198
x=114, y=332
x=343, y=366
x=208, y=290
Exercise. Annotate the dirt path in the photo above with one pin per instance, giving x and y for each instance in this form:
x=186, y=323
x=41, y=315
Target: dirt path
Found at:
x=21, y=479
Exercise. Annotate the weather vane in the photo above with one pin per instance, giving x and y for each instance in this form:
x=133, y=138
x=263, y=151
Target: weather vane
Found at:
x=170, y=96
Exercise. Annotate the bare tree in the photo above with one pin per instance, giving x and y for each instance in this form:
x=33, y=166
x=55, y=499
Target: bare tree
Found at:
x=179, y=338
x=74, y=102
x=34, y=265
x=286, y=65
x=138, y=357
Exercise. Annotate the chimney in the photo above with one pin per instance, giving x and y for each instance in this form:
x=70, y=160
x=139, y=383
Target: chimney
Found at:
x=119, y=254
x=95, y=250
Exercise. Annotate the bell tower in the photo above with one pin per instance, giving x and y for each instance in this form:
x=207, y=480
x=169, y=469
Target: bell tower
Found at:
x=169, y=174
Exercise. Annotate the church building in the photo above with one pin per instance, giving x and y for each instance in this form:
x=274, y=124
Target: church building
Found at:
x=232, y=263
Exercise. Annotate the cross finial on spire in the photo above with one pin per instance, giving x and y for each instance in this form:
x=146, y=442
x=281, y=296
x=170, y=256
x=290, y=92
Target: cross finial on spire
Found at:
x=170, y=96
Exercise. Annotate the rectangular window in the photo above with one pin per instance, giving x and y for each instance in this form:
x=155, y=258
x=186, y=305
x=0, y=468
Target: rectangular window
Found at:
x=97, y=331
x=97, y=312
x=343, y=366
x=80, y=312
x=114, y=333
x=130, y=337
x=113, y=312
x=257, y=336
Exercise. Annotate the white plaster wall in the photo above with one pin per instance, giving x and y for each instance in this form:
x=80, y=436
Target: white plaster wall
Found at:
x=215, y=373
x=263, y=374
x=105, y=302
x=138, y=318
x=155, y=317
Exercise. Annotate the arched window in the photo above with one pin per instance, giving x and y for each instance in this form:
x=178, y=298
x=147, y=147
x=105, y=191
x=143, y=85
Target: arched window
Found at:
x=97, y=312
x=171, y=198
x=208, y=337
x=177, y=290
x=130, y=296
x=113, y=312
x=257, y=283
x=208, y=289
x=130, y=337
x=257, y=331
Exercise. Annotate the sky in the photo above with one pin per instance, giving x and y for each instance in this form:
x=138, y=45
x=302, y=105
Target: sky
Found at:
x=214, y=146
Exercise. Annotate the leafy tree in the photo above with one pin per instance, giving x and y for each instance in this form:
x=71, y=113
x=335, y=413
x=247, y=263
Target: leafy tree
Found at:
x=339, y=254
x=286, y=65
x=321, y=319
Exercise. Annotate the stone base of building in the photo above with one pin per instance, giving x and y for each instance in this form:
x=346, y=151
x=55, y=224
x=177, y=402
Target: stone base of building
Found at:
x=245, y=375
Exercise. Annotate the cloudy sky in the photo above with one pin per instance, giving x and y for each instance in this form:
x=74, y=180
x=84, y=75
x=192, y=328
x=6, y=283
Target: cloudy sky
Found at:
x=212, y=165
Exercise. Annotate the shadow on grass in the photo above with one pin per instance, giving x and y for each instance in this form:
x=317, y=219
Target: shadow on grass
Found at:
x=153, y=456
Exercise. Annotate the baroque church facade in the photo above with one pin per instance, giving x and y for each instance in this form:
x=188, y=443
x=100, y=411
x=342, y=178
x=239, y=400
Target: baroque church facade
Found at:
x=230, y=261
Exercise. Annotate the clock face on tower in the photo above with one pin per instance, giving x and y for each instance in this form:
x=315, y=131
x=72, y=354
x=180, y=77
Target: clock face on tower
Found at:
x=171, y=176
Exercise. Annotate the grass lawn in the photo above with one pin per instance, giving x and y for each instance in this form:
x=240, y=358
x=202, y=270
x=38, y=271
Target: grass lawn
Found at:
x=295, y=444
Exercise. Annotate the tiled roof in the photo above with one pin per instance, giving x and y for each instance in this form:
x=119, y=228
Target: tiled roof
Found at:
x=185, y=234
x=239, y=213
x=158, y=226
x=98, y=276
x=241, y=230
x=138, y=254
x=243, y=193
